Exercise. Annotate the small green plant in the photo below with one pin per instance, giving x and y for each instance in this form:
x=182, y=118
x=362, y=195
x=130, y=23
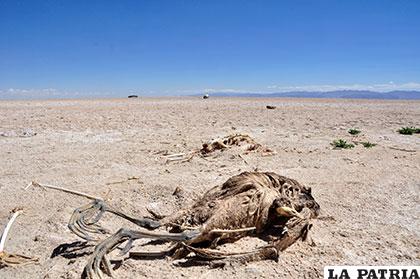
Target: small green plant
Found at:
x=354, y=132
x=340, y=143
x=368, y=144
x=409, y=130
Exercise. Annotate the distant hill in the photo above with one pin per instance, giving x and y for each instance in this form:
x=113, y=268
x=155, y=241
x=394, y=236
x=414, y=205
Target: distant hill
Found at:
x=342, y=94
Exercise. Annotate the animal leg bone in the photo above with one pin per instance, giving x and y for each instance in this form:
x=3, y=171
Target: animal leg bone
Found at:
x=222, y=231
x=84, y=219
x=62, y=189
x=261, y=253
x=99, y=259
x=298, y=229
x=155, y=254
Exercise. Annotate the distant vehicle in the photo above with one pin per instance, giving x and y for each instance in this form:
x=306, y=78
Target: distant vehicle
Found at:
x=132, y=96
x=206, y=96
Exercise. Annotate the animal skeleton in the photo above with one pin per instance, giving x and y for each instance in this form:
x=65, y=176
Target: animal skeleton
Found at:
x=266, y=205
x=250, y=144
x=232, y=140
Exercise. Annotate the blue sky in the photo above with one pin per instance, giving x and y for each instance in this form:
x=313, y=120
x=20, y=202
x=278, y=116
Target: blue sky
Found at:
x=73, y=48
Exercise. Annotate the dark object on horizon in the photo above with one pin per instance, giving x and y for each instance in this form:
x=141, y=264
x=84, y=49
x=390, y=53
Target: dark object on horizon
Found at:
x=271, y=107
x=132, y=96
x=206, y=96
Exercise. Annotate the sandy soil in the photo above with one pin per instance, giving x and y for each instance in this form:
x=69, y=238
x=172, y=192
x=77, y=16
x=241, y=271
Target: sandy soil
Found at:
x=369, y=197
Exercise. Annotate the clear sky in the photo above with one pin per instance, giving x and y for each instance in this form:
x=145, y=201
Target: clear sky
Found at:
x=184, y=47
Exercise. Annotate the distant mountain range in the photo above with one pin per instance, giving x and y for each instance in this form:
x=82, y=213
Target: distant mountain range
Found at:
x=342, y=94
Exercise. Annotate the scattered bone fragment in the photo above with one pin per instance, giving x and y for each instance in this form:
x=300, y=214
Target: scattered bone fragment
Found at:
x=7, y=259
x=123, y=181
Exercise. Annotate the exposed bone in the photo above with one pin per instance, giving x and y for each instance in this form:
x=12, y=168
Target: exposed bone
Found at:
x=15, y=214
x=74, y=192
x=175, y=155
x=233, y=231
x=154, y=254
x=29, y=185
x=154, y=213
x=183, y=157
x=261, y=253
x=7, y=259
x=122, y=181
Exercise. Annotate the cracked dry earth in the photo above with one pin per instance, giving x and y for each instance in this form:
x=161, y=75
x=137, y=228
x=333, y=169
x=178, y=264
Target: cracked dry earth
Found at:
x=369, y=198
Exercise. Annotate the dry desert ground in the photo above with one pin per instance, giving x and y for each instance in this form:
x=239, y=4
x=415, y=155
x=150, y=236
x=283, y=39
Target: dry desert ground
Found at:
x=369, y=197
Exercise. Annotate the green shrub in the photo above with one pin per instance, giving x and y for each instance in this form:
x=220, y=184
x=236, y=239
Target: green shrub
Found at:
x=368, y=144
x=340, y=143
x=409, y=130
x=354, y=132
